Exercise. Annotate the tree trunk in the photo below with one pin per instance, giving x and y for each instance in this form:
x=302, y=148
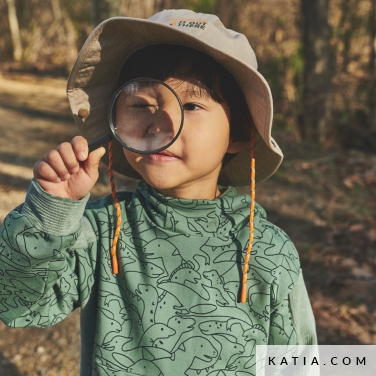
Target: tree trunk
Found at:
x=135, y=8
x=372, y=93
x=14, y=30
x=71, y=38
x=316, y=116
x=229, y=15
x=373, y=38
x=56, y=10
x=95, y=12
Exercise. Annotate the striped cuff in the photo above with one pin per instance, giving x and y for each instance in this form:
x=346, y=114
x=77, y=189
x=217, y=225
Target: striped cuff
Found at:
x=51, y=214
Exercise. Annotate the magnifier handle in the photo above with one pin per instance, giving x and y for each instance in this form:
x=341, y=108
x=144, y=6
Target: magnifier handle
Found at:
x=100, y=142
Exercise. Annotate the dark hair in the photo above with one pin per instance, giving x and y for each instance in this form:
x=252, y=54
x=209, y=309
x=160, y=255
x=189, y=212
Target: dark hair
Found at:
x=163, y=61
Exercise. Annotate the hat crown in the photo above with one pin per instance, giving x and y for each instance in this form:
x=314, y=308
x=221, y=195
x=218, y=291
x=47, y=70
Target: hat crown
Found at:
x=209, y=29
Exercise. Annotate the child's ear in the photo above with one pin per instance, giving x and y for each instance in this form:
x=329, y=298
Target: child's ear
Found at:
x=236, y=146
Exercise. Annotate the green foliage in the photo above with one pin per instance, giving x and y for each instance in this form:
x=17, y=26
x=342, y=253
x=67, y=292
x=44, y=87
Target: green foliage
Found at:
x=297, y=60
x=81, y=16
x=280, y=21
x=202, y=6
x=278, y=70
x=296, y=64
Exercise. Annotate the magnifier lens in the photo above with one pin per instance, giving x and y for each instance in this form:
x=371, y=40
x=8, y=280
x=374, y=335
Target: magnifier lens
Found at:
x=146, y=116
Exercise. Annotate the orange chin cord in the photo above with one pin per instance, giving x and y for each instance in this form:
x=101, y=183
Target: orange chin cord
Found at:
x=243, y=295
x=114, y=260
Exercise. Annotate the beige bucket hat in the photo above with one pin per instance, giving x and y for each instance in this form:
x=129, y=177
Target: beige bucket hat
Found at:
x=94, y=79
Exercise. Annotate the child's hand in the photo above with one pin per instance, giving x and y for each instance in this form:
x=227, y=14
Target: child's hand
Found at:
x=68, y=171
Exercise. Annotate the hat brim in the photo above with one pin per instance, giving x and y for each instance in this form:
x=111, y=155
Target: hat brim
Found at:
x=94, y=78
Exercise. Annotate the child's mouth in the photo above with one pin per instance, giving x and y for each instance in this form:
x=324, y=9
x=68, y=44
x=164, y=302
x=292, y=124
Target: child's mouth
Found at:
x=163, y=156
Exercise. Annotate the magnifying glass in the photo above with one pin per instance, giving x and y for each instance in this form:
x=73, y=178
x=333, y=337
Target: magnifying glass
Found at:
x=146, y=116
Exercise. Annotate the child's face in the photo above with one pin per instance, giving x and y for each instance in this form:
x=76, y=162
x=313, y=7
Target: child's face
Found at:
x=190, y=166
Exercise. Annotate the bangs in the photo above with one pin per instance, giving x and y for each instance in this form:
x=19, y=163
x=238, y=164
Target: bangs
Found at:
x=194, y=88
x=164, y=61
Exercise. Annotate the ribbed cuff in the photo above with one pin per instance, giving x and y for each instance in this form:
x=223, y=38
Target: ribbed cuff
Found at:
x=51, y=214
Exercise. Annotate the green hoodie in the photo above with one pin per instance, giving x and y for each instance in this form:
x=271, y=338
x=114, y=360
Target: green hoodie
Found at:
x=173, y=308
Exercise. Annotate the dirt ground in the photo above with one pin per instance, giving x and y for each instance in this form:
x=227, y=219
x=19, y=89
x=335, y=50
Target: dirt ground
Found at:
x=325, y=201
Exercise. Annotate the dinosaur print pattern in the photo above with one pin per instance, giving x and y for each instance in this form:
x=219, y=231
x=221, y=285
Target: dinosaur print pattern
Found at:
x=173, y=309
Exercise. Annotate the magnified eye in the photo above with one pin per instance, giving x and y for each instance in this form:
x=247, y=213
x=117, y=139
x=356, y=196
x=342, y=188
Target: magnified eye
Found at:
x=139, y=105
x=146, y=115
x=142, y=105
x=145, y=107
x=191, y=107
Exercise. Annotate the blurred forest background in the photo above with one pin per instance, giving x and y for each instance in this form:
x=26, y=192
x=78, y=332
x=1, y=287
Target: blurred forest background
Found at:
x=319, y=57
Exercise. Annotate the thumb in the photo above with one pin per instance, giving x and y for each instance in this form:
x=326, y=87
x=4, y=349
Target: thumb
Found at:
x=92, y=161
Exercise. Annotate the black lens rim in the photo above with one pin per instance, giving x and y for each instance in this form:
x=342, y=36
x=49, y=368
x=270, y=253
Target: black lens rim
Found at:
x=112, y=120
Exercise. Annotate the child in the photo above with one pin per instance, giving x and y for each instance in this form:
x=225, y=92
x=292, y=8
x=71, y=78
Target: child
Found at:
x=173, y=308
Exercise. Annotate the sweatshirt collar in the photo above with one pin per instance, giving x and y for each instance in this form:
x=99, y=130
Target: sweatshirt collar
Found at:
x=209, y=218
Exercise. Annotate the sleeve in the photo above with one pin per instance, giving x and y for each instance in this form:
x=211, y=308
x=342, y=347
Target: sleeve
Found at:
x=291, y=318
x=302, y=315
x=292, y=321
x=47, y=257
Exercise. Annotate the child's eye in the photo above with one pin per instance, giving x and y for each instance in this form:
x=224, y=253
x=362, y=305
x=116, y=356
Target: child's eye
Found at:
x=144, y=107
x=191, y=107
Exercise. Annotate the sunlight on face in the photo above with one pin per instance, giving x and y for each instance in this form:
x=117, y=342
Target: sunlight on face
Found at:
x=193, y=162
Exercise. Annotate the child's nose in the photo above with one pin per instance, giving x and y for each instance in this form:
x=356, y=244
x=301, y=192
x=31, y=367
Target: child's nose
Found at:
x=164, y=127
x=163, y=124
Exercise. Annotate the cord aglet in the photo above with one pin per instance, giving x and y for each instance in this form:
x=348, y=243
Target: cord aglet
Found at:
x=243, y=294
x=115, y=265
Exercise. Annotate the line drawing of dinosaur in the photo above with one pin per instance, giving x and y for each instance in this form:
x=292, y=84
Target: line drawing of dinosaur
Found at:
x=124, y=312
x=211, y=327
x=184, y=294
x=111, y=322
x=30, y=318
x=209, y=224
x=155, y=332
x=142, y=366
x=187, y=253
x=187, y=356
x=259, y=302
x=102, y=358
x=147, y=269
x=132, y=356
x=149, y=296
x=216, y=295
x=225, y=313
x=14, y=258
x=226, y=261
x=232, y=289
x=242, y=364
x=181, y=326
x=214, y=277
x=232, y=350
x=280, y=331
x=114, y=341
x=255, y=330
x=37, y=273
x=185, y=274
x=168, y=306
x=165, y=249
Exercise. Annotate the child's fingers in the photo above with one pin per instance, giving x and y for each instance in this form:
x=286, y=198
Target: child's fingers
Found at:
x=93, y=160
x=42, y=170
x=80, y=148
x=69, y=157
x=55, y=160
